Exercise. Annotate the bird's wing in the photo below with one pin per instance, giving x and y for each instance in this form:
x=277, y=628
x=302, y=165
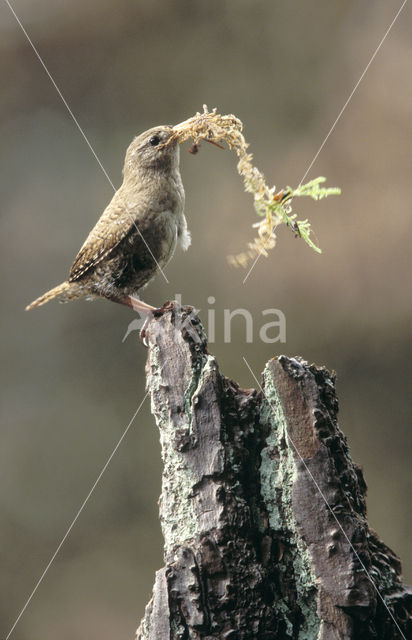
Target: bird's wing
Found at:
x=114, y=224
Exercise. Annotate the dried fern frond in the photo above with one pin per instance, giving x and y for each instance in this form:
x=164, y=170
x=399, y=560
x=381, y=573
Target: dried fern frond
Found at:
x=273, y=207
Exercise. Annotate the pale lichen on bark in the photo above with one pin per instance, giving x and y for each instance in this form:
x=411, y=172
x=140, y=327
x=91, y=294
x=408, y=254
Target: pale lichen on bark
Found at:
x=262, y=509
x=178, y=519
x=278, y=472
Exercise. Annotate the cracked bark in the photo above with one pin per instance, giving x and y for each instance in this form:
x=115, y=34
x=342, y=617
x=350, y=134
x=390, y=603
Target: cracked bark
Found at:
x=251, y=548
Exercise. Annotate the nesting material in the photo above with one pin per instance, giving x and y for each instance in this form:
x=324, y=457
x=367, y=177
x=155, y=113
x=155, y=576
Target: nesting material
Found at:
x=273, y=207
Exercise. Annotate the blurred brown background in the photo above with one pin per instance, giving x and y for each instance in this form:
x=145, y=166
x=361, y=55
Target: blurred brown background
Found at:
x=70, y=385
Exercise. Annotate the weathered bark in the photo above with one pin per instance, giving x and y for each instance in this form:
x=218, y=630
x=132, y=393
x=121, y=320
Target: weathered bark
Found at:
x=262, y=509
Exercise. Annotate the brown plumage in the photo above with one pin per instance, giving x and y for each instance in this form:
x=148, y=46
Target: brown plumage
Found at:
x=137, y=232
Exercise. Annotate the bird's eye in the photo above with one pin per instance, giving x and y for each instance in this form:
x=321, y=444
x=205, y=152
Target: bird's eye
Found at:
x=154, y=141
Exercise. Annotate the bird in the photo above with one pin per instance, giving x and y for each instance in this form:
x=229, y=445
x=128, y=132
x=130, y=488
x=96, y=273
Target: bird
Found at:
x=137, y=233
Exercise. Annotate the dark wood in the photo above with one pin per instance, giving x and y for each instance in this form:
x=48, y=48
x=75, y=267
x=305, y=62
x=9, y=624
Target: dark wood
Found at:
x=262, y=509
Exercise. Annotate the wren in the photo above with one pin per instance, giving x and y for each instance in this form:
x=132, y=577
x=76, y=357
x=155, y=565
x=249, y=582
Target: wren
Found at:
x=138, y=231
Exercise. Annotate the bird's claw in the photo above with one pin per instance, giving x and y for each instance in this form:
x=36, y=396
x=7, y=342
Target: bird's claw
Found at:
x=144, y=338
x=144, y=334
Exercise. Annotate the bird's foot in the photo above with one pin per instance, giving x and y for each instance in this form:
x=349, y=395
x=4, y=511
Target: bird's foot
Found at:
x=140, y=307
x=144, y=335
x=147, y=310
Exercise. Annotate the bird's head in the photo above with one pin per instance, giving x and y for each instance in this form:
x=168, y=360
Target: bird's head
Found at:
x=155, y=149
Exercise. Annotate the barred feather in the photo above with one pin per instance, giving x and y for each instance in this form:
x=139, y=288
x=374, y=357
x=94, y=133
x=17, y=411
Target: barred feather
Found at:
x=49, y=295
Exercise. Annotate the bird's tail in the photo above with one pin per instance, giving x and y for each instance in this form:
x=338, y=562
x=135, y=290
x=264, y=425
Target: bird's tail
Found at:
x=49, y=295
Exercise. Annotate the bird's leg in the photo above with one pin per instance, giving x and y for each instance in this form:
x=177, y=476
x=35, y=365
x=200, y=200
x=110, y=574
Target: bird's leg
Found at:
x=139, y=305
x=142, y=307
x=135, y=304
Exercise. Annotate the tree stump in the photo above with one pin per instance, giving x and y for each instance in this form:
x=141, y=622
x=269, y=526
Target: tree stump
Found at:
x=262, y=509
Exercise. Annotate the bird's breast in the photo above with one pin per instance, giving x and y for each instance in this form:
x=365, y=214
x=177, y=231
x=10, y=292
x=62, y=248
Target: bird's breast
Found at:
x=165, y=236
x=153, y=238
x=159, y=209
